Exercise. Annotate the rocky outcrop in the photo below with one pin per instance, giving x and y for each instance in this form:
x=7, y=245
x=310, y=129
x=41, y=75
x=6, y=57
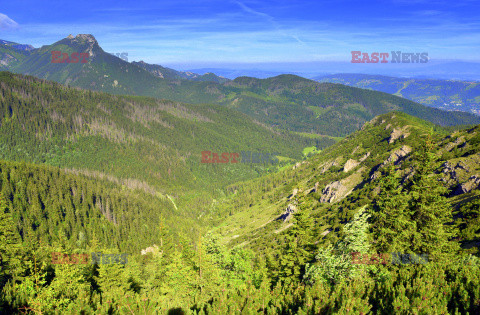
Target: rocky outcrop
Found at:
x=398, y=134
x=450, y=173
x=291, y=209
x=154, y=250
x=458, y=141
x=454, y=172
x=363, y=158
x=472, y=183
x=294, y=193
x=333, y=191
x=324, y=167
x=398, y=154
x=394, y=157
x=350, y=165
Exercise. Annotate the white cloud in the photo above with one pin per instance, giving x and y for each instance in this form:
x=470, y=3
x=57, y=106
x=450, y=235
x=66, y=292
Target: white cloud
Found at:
x=7, y=23
x=270, y=18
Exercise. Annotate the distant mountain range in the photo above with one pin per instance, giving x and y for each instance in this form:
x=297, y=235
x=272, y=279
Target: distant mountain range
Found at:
x=442, y=94
x=17, y=46
x=433, y=69
x=235, y=73
x=287, y=101
x=168, y=73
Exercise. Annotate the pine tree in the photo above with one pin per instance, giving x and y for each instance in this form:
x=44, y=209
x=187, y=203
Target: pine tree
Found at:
x=356, y=238
x=334, y=262
x=295, y=254
x=430, y=209
x=390, y=221
x=9, y=244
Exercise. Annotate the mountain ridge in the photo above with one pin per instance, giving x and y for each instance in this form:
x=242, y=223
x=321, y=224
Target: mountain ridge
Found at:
x=287, y=101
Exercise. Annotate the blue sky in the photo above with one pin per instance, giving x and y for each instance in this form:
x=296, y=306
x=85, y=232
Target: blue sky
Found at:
x=218, y=33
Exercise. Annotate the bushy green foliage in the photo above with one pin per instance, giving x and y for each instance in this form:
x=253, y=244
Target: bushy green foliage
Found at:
x=334, y=262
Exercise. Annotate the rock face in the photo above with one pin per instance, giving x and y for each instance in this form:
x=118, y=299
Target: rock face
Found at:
x=398, y=154
x=450, y=171
x=294, y=193
x=453, y=173
x=397, y=134
x=363, y=158
x=333, y=191
x=472, y=183
x=327, y=165
x=394, y=157
x=451, y=145
x=152, y=249
x=291, y=209
x=350, y=165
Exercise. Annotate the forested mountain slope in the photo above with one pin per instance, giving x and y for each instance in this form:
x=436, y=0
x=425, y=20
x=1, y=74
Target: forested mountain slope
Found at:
x=294, y=103
x=54, y=206
x=154, y=141
x=386, y=221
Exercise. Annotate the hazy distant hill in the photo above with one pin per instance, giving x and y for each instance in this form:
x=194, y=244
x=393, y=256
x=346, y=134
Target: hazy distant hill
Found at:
x=168, y=73
x=442, y=94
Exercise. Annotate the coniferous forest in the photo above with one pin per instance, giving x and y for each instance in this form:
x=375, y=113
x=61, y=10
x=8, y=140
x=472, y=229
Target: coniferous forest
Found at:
x=384, y=221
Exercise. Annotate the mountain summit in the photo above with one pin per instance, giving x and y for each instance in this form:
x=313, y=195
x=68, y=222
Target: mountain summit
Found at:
x=82, y=38
x=83, y=43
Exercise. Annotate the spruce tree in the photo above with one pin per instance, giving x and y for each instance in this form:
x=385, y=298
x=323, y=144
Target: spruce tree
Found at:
x=391, y=225
x=295, y=254
x=430, y=209
x=9, y=244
